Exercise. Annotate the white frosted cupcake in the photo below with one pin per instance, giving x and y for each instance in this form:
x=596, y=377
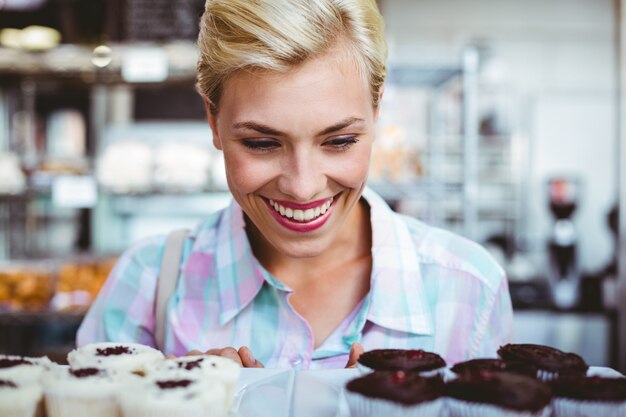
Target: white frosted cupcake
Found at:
x=83, y=392
x=19, y=399
x=129, y=357
x=22, y=369
x=174, y=397
x=215, y=369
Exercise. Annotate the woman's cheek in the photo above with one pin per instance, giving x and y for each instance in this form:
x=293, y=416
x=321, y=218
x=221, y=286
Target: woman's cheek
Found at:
x=246, y=173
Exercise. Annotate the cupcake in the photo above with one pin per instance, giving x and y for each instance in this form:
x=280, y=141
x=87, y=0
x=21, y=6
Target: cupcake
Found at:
x=173, y=397
x=395, y=393
x=426, y=363
x=501, y=394
x=589, y=396
x=22, y=369
x=19, y=399
x=130, y=357
x=493, y=365
x=550, y=362
x=74, y=392
x=215, y=369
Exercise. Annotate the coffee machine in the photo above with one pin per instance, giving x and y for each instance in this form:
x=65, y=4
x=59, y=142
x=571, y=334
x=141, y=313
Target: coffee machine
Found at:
x=563, y=270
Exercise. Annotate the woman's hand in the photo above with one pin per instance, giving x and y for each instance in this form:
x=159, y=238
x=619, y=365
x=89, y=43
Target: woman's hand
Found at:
x=355, y=352
x=243, y=356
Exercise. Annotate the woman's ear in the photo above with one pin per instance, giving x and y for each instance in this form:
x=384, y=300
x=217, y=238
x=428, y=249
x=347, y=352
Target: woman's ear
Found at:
x=212, y=123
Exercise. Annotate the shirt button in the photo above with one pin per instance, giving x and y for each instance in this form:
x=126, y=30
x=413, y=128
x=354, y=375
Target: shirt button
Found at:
x=295, y=361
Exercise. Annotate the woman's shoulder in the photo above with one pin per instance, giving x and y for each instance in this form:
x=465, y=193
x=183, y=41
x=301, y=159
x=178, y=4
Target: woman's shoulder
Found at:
x=448, y=250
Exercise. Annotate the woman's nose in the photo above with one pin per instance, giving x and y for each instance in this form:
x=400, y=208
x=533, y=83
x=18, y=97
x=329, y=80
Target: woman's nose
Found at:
x=302, y=178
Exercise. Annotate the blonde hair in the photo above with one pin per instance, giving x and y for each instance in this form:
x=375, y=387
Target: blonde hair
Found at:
x=277, y=35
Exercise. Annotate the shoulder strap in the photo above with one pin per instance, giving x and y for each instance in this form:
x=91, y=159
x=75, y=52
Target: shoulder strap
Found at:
x=168, y=277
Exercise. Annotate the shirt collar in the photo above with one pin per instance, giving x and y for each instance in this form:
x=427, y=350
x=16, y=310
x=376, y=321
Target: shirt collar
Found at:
x=396, y=300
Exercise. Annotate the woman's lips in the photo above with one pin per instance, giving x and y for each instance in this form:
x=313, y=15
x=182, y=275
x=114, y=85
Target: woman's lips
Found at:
x=301, y=217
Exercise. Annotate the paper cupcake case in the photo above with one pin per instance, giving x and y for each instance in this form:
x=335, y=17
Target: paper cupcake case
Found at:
x=64, y=406
x=458, y=408
x=361, y=406
x=566, y=407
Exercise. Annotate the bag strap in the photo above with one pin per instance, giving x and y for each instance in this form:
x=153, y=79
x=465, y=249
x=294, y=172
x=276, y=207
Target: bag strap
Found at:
x=166, y=284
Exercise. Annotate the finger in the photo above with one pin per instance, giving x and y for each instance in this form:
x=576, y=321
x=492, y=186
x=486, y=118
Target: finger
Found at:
x=170, y=356
x=356, y=350
x=194, y=352
x=247, y=358
x=231, y=353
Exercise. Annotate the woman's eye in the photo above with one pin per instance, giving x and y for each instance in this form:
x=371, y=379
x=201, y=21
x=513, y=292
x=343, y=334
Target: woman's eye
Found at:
x=342, y=143
x=260, y=145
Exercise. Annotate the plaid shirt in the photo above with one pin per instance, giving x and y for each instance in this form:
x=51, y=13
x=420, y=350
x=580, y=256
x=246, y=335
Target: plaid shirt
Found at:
x=430, y=289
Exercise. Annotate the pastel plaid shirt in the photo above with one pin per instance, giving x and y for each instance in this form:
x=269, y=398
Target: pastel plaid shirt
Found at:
x=430, y=289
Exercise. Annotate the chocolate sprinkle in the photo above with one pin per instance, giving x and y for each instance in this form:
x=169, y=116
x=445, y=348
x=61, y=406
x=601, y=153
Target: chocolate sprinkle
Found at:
x=188, y=366
x=113, y=351
x=10, y=384
x=180, y=383
x=84, y=372
x=10, y=363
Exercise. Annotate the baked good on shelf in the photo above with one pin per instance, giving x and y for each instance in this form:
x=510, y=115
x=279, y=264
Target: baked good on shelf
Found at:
x=550, y=362
x=23, y=369
x=493, y=365
x=78, y=392
x=129, y=357
x=414, y=360
x=498, y=394
x=395, y=393
x=212, y=368
x=173, y=397
x=589, y=396
x=19, y=399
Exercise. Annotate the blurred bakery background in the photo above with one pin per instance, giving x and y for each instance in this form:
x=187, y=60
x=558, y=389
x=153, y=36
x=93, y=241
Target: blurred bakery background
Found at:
x=501, y=120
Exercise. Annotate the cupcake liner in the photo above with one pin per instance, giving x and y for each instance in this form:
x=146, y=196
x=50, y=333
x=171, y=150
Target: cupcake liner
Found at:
x=443, y=371
x=136, y=409
x=18, y=410
x=567, y=407
x=458, y=408
x=63, y=406
x=545, y=376
x=361, y=406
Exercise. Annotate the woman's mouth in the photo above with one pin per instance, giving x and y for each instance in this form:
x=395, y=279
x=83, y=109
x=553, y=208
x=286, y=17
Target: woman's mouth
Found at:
x=302, y=217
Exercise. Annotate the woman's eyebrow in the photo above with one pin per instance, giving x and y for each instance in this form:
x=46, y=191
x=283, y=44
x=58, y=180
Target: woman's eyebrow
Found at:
x=267, y=130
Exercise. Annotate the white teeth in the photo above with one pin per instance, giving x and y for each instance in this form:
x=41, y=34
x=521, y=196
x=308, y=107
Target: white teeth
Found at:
x=301, y=215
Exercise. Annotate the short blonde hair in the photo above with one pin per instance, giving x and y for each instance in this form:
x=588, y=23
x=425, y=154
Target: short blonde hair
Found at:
x=277, y=35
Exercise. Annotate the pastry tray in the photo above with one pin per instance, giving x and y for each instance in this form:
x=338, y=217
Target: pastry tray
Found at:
x=288, y=393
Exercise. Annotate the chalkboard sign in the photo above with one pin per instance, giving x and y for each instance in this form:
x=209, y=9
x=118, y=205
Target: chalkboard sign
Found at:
x=161, y=20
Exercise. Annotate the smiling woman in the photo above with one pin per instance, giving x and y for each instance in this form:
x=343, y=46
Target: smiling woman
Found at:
x=307, y=267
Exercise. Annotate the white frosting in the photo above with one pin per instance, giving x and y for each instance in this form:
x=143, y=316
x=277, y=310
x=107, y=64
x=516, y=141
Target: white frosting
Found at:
x=137, y=359
x=24, y=373
x=214, y=368
x=198, y=398
x=21, y=399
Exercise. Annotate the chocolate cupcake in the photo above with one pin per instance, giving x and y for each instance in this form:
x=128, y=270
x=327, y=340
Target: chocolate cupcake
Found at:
x=426, y=363
x=493, y=365
x=396, y=393
x=550, y=362
x=499, y=393
x=589, y=396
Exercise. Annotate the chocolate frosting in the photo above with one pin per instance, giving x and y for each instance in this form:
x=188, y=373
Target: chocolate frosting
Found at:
x=10, y=363
x=114, y=351
x=590, y=388
x=493, y=365
x=503, y=389
x=5, y=383
x=399, y=359
x=544, y=358
x=84, y=372
x=174, y=383
x=398, y=386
